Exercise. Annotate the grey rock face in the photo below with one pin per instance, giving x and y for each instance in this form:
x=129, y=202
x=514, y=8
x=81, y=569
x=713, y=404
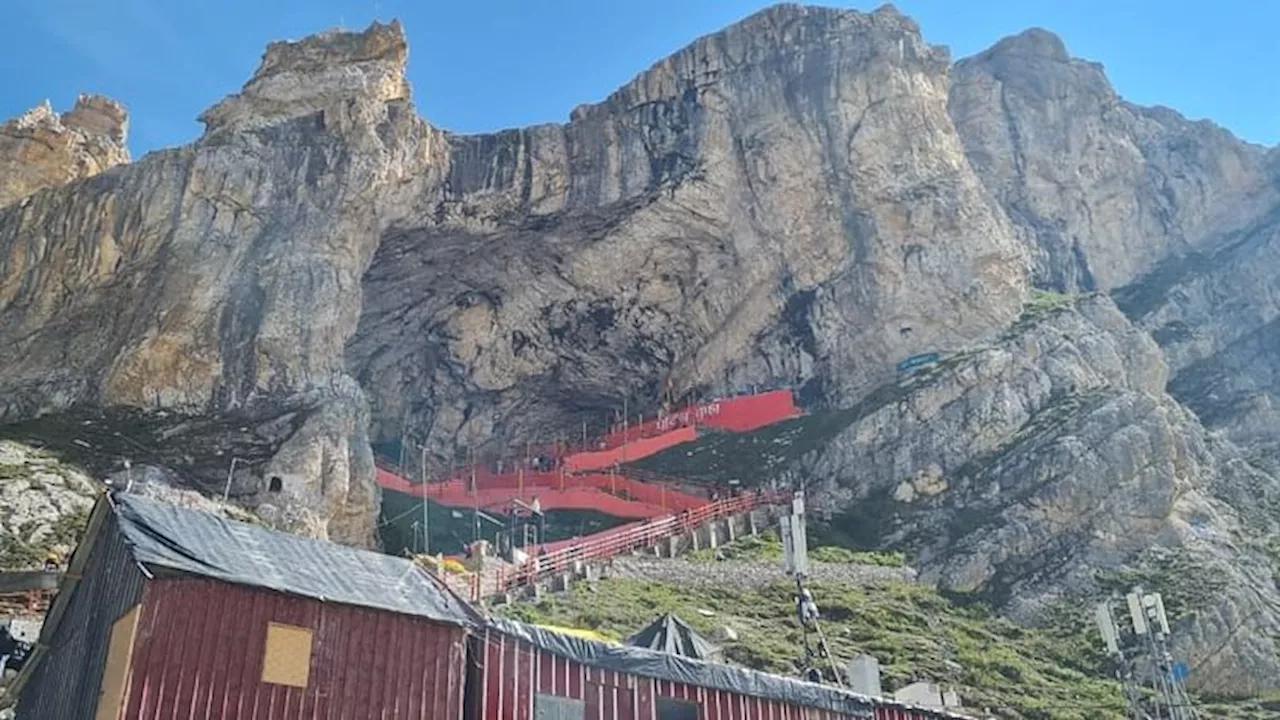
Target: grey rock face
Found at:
x=1036, y=469
x=1215, y=313
x=1101, y=190
x=1180, y=220
x=224, y=278
x=786, y=200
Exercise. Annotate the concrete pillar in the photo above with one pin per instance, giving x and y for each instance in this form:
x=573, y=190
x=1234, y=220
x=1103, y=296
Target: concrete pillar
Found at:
x=751, y=523
x=728, y=524
x=673, y=545
x=864, y=675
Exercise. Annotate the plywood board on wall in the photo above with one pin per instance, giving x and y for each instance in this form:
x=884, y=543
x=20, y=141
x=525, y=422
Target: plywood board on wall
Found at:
x=115, y=676
x=287, y=658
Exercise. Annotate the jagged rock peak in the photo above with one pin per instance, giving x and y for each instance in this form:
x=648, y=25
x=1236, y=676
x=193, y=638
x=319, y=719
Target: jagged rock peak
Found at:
x=1034, y=42
x=301, y=78
x=1037, y=58
x=98, y=115
x=41, y=149
x=780, y=35
x=376, y=43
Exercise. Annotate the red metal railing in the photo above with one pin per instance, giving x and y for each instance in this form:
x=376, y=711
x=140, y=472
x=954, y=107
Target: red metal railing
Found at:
x=603, y=546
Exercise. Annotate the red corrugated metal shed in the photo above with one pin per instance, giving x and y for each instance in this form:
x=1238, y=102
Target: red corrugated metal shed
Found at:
x=199, y=651
x=514, y=665
x=513, y=672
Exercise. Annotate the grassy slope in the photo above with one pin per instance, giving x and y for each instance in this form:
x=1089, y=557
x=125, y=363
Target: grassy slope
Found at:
x=1056, y=672
x=913, y=631
x=910, y=629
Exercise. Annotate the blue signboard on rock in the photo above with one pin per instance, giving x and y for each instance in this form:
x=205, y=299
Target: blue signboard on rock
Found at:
x=915, y=362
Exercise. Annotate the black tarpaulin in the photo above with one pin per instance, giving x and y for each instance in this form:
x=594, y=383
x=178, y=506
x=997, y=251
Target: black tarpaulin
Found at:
x=664, y=666
x=200, y=543
x=670, y=634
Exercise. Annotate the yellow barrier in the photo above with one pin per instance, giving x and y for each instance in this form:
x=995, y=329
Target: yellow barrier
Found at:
x=579, y=632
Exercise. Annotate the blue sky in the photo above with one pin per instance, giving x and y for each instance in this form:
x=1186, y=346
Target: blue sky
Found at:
x=483, y=65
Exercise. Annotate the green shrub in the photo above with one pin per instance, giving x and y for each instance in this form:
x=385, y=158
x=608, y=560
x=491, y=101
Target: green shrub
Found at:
x=835, y=554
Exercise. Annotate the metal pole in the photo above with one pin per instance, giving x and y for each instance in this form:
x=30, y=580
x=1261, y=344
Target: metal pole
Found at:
x=226, y=492
x=426, y=536
x=404, y=438
x=475, y=498
x=804, y=626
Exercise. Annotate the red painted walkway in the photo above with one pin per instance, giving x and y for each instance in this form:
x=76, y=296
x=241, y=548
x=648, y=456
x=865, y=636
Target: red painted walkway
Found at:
x=637, y=449
x=744, y=413
x=610, y=494
x=578, y=484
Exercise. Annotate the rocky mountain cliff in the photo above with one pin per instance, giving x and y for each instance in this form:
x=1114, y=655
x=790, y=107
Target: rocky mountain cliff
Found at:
x=222, y=280
x=787, y=200
x=1101, y=190
x=806, y=197
x=1051, y=467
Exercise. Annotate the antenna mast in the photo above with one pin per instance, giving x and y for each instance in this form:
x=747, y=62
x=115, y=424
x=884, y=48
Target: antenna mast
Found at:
x=1149, y=646
x=795, y=548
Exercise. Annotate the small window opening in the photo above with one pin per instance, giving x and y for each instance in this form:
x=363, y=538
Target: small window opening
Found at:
x=275, y=485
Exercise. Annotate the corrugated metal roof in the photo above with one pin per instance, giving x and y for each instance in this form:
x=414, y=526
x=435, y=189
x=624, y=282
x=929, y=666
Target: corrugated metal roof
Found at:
x=200, y=543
